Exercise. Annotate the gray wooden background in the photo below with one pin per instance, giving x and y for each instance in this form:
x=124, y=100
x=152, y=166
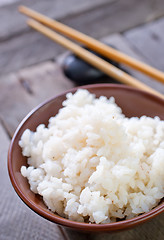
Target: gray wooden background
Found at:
x=30, y=72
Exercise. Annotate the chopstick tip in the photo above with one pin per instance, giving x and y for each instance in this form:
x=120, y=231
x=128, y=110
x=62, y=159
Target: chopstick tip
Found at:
x=22, y=8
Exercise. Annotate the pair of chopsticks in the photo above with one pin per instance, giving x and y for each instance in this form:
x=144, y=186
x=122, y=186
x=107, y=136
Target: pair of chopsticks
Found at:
x=37, y=23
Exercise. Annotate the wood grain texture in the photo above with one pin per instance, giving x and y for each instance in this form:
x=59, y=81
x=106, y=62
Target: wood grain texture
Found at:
x=116, y=17
x=13, y=102
x=14, y=23
x=121, y=43
x=148, y=40
x=25, y=51
x=24, y=90
x=25, y=47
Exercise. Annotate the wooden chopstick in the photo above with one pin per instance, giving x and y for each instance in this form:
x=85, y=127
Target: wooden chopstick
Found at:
x=94, y=44
x=91, y=58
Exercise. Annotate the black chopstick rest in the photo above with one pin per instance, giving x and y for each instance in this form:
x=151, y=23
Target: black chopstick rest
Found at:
x=81, y=72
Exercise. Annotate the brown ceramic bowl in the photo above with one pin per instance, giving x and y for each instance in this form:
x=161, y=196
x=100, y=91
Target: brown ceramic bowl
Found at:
x=133, y=103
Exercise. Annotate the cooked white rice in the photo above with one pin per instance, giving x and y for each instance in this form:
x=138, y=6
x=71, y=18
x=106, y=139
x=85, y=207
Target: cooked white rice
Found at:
x=93, y=164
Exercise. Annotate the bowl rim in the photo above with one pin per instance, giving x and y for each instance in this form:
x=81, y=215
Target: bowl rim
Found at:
x=53, y=217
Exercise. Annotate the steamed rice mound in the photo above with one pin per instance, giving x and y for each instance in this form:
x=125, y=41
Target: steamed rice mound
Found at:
x=93, y=164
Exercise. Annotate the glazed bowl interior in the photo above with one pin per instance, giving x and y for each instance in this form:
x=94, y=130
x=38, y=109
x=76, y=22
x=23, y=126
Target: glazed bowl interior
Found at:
x=134, y=103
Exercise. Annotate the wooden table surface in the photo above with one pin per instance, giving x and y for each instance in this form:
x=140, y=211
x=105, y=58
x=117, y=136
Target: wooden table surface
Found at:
x=30, y=72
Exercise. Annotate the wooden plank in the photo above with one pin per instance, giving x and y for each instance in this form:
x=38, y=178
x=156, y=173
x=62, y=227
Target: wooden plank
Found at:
x=31, y=47
x=25, y=51
x=22, y=91
x=45, y=81
x=122, y=44
x=13, y=98
x=133, y=12
x=14, y=22
x=116, y=17
x=4, y=140
x=148, y=40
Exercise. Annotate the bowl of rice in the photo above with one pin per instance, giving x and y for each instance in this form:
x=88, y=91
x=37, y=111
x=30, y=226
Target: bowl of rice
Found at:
x=92, y=158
